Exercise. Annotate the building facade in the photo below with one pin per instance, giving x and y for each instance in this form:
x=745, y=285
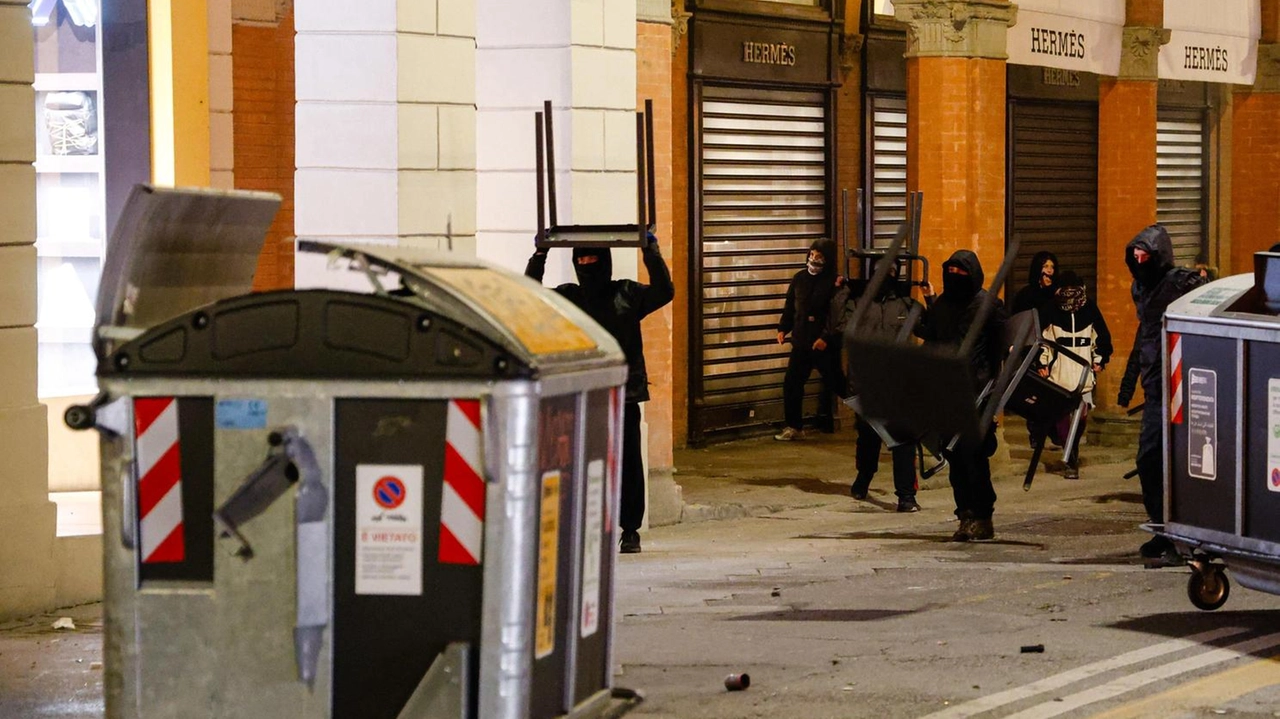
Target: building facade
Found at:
x=408, y=121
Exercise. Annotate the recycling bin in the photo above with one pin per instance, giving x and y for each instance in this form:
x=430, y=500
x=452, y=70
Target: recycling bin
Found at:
x=391, y=494
x=1221, y=409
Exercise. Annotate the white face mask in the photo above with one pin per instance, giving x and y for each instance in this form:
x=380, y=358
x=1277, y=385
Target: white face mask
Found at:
x=815, y=265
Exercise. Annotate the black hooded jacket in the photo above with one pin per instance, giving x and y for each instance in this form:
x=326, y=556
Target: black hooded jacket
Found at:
x=617, y=305
x=804, y=316
x=1156, y=284
x=948, y=318
x=1034, y=296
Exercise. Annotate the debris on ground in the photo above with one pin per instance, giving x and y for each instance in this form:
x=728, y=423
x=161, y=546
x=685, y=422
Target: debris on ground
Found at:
x=64, y=623
x=1033, y=649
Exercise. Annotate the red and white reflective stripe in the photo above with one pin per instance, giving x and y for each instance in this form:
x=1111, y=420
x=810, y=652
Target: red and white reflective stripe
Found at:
x=1175, y=378
x=462, y=495
x=159, y=479
x=614, y=456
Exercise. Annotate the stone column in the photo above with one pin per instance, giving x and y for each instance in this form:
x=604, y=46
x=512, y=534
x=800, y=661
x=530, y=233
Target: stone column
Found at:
x=27, y=517
x=956, y=107
x=386, y=121
x=1255, y=152
x=1126, y=177
x=654, y=46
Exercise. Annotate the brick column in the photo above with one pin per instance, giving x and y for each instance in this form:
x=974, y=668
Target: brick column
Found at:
x=956, y=110
x=1126, y=178
x=385, y=139
x=654, y=46
x=1255, y=152
x=27, y=518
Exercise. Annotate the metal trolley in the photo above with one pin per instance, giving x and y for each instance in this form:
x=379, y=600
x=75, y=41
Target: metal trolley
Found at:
x=1222, y=432
x=448, y=435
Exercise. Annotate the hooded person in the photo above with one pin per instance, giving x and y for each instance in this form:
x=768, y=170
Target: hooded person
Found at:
x=883, y=319
x=945, y=324
x=618, y=306
x=815, y=345
x=1156, y=284
x=1075, y=323
x=1042, y=281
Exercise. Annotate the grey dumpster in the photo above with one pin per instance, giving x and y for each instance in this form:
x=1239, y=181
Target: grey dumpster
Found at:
x=1222, y=432
x=392, y=499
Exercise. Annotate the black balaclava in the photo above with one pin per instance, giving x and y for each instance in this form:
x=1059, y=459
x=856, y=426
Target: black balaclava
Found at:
x=827, y=249
x=1070, y=295
x=1155, y=241
x=1037, y=269
x=957, y=287
x=596, y=276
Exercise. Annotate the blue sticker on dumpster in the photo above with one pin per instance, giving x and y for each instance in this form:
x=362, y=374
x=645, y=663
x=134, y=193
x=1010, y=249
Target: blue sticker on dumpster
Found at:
x=241, y=414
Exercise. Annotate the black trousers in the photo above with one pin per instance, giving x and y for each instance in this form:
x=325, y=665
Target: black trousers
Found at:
x=1151, y=451
x=632, y=513
x=868, y=461
x=800, y=365
x=970, y=463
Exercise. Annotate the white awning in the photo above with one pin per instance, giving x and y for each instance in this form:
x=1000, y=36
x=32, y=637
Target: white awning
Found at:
x=1211, y=41
x=82, y=12
x=1082, y=35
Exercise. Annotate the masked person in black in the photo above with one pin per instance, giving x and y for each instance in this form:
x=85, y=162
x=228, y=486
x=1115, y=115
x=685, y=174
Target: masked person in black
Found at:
x=945, y=323
x=1042, y=281
x=885, y=315
x=1156, y=284
x=813, y=343
x=618, y=306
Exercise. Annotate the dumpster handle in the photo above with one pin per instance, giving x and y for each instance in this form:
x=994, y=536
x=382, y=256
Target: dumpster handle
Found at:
x=311, y=508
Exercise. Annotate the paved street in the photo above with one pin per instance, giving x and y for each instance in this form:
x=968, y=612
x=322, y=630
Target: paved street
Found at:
x=838, y=608
x=848, y=609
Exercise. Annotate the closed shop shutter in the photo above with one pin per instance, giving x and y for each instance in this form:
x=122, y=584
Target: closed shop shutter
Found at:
x=763, y=201
x=1181, y=186
x=888, y=171
x=1054, y=187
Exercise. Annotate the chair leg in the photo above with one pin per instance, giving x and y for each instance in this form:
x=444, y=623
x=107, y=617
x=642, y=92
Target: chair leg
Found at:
x=1038, y=443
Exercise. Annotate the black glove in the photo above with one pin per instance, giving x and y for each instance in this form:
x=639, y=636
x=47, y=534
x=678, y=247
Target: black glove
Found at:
x=651, y=241
x=539, y=251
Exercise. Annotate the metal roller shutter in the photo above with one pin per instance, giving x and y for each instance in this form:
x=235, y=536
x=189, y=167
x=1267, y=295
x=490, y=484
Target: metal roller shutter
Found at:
x=763, y=202
x=1053, y=183
x=1181, y=185
x=888, y=172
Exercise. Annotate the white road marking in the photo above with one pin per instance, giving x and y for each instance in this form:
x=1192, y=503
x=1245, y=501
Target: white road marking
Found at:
x=1126, y=684
x=1057, y=681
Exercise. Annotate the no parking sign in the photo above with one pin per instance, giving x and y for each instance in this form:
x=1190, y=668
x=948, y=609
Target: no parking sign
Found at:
x=389, y=529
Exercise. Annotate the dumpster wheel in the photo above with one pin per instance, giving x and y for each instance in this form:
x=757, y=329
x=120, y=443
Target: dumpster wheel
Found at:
x=1208, y=587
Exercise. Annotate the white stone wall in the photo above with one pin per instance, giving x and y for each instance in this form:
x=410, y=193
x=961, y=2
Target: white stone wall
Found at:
x=221, y=134
x=580, y=55
x=386, y=121
x=27, y=518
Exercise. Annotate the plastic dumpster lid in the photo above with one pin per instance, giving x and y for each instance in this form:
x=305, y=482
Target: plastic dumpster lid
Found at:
x=512, y=310
x=1211, y=300
x=174, y=250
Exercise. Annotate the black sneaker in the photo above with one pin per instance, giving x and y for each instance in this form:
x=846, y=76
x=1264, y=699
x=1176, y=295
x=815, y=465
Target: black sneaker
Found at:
x=1156, y=548
x=630, y=542
x=908, y=504
x=858, y=490
x=981, y=530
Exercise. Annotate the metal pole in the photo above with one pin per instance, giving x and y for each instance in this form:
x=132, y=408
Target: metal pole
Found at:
x=538, y=167
x=648, y=144
x=640, y=179
x=551, y=163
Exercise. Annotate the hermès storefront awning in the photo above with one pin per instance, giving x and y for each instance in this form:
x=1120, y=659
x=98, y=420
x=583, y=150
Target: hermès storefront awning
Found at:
x=1211, y=41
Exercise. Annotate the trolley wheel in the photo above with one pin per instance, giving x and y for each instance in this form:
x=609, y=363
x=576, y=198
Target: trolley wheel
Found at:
x=1208, y=589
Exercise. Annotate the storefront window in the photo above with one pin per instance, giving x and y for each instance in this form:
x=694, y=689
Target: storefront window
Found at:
x=69, y=191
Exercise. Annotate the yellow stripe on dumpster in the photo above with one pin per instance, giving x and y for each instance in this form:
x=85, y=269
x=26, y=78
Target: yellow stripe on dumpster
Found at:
x=536, y=323
x=548, y=545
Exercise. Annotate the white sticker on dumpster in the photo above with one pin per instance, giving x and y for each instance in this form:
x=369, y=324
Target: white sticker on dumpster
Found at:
x=1273, y=435
x=1202, y=423
x=593, y=545
x=389, y=529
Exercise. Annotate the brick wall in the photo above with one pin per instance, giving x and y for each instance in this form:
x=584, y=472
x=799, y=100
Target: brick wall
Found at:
x=956, y=119
x=1126, y=204
x=653, y=82
x=680, y=243
x=849, y=174
x=1255, y=184
x=263, y=130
